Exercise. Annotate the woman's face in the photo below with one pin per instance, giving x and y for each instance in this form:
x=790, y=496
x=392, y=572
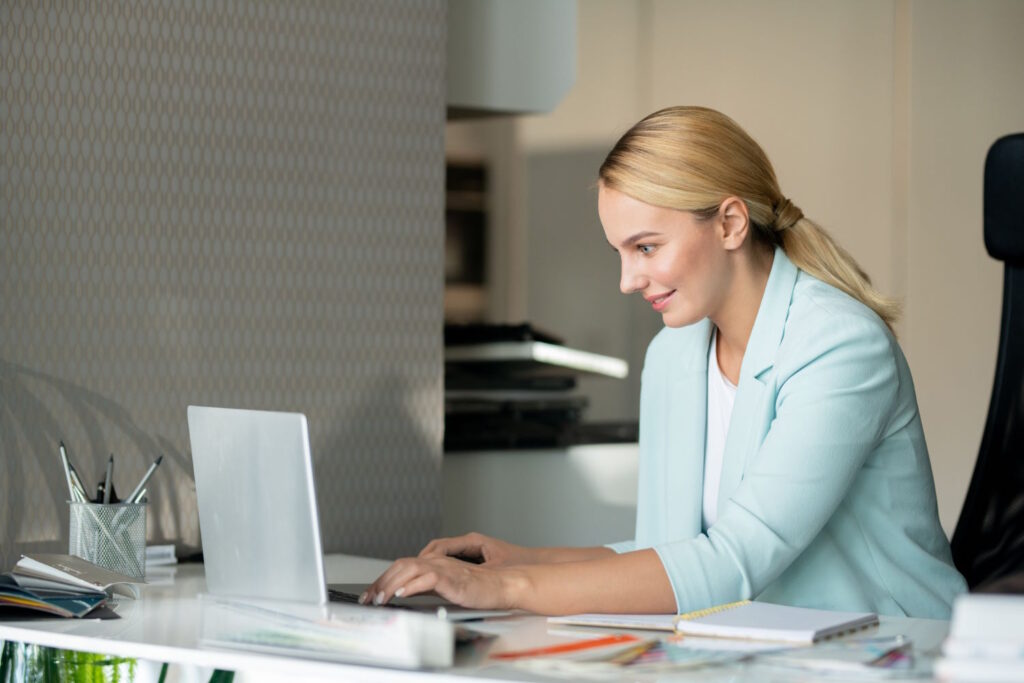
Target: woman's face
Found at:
x=677, y=262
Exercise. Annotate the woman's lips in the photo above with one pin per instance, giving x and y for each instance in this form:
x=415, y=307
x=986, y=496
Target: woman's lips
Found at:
x=660, y=301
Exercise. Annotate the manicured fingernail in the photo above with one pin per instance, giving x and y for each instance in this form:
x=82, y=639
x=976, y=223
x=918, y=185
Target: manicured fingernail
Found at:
x=379, y=599
x=362, y=598
x=400, y=592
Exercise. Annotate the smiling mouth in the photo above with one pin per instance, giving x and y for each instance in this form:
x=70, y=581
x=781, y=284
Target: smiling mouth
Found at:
x=660, y=301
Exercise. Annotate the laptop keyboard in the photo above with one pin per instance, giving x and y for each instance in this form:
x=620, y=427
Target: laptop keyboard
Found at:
x=342, y=596
x=335, y=595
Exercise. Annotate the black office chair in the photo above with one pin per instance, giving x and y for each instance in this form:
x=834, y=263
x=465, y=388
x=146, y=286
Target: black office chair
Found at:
x=988, y=544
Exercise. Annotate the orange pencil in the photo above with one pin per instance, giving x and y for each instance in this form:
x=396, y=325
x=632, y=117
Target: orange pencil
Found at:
x=564, y=648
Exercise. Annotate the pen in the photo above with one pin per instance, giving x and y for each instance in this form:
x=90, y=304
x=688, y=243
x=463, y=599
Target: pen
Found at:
x=106, y=480
x=67, y=470
x=133, y=498
x=82, y=496
x=77, y=488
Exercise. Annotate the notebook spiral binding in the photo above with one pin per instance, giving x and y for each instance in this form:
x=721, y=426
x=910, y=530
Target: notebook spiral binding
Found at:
x=697, y=614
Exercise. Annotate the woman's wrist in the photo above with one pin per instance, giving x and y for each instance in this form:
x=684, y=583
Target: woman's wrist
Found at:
x=530, y=555
x=516, y=587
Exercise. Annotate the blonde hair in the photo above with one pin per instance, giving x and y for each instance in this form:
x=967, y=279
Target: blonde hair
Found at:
x=693, y=158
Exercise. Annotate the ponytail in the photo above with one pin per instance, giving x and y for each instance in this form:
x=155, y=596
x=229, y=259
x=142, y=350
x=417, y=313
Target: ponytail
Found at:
x=812, y=250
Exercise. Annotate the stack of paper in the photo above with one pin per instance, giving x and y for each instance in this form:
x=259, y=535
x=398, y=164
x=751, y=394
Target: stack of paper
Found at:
x=737, y=631
x=61, y=585
x=60, y=602
x=620, y=655
x=161, y=564
x=160, y=555
x=859, y=658
x=336, y=632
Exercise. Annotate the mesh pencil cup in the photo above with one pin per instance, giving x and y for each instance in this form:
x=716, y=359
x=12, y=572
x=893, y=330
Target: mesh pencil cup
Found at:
x=111, y=536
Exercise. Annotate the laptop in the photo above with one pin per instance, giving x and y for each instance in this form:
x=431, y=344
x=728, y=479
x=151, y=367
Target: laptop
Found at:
x=258, y=513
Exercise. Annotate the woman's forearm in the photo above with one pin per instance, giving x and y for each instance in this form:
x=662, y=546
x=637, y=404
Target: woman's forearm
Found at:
x=633, y=582
x=558, y=555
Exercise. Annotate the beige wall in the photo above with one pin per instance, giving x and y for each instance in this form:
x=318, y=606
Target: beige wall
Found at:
x=612, y=87
x=820, y=105
x=812, y=81
x=967, y=71
x=877, y=116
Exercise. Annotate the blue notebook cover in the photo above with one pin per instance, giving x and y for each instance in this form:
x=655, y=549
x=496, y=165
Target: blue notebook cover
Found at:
x=49, y=601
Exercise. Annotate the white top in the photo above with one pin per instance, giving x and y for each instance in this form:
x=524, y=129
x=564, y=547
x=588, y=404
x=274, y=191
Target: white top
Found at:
x=721, y=396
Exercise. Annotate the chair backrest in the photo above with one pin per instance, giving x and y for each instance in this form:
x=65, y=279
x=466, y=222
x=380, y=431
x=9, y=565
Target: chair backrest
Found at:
x=988, y=543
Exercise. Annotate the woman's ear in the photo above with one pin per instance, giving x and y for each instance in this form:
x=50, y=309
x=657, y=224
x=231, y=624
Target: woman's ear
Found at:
x=734, y=221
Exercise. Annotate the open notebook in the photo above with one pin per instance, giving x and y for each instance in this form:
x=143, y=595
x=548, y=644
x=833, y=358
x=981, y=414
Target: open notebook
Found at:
x=745, y=619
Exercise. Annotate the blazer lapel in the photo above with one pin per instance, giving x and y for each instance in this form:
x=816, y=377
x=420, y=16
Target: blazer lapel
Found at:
x=687, y=405
x=745, y=426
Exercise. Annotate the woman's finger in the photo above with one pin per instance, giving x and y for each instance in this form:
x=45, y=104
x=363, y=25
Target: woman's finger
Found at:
x=400, y=568
x=459, y=545
x=442, y=575
x=419, y=584
x=432, y=547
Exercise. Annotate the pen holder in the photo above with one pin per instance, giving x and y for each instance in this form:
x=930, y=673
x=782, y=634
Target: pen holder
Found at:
x=111, y=536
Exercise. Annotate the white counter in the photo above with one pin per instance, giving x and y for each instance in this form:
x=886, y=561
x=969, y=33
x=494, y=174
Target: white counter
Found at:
x=578, y=496
x=164, y=626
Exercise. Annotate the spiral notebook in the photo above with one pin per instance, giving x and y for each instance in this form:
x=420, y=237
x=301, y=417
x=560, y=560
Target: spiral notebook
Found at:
x=745, y=619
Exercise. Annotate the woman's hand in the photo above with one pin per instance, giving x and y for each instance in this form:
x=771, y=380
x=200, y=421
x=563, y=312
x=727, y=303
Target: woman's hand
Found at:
x=475, y=547
x=626, y=583
x=463, y=583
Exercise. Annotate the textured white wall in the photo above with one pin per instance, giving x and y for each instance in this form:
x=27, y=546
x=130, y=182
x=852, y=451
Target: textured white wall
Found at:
x=234, y=204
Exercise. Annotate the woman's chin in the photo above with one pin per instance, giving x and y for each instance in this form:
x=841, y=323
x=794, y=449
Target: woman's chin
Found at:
x=680, y=318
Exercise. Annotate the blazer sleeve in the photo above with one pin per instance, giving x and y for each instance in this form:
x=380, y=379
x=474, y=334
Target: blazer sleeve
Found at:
x=833, y=392
x=622, y=546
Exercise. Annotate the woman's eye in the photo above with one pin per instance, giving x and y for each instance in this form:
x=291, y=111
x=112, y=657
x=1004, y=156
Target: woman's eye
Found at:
x=646, y=248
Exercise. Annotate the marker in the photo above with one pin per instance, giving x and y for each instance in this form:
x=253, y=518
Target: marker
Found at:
x=83, y=497
x=78, y=488
x=106, y=480
x=67, y=471
x=136, y=494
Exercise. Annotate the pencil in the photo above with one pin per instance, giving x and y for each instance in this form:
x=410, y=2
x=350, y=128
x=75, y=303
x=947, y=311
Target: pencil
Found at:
x=564, y=648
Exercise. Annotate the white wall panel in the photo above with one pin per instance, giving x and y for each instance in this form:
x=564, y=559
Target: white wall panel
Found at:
x=237, y=204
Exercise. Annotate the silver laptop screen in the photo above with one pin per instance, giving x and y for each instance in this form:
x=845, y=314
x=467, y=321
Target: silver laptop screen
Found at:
x=257, y=504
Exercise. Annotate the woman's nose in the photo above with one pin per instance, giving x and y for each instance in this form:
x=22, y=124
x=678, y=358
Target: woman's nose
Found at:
x=630, y=280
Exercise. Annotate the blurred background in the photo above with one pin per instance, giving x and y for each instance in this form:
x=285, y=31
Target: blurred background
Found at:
x=278, y=206
x=877, y=116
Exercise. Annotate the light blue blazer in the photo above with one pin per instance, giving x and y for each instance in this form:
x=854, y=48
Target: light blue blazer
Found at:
x=826, y=496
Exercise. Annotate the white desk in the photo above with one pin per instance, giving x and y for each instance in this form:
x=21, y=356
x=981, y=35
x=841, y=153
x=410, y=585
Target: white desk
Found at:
x=164, y=626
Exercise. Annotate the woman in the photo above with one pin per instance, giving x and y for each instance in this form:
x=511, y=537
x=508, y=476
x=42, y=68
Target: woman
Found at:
x=781, y=451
